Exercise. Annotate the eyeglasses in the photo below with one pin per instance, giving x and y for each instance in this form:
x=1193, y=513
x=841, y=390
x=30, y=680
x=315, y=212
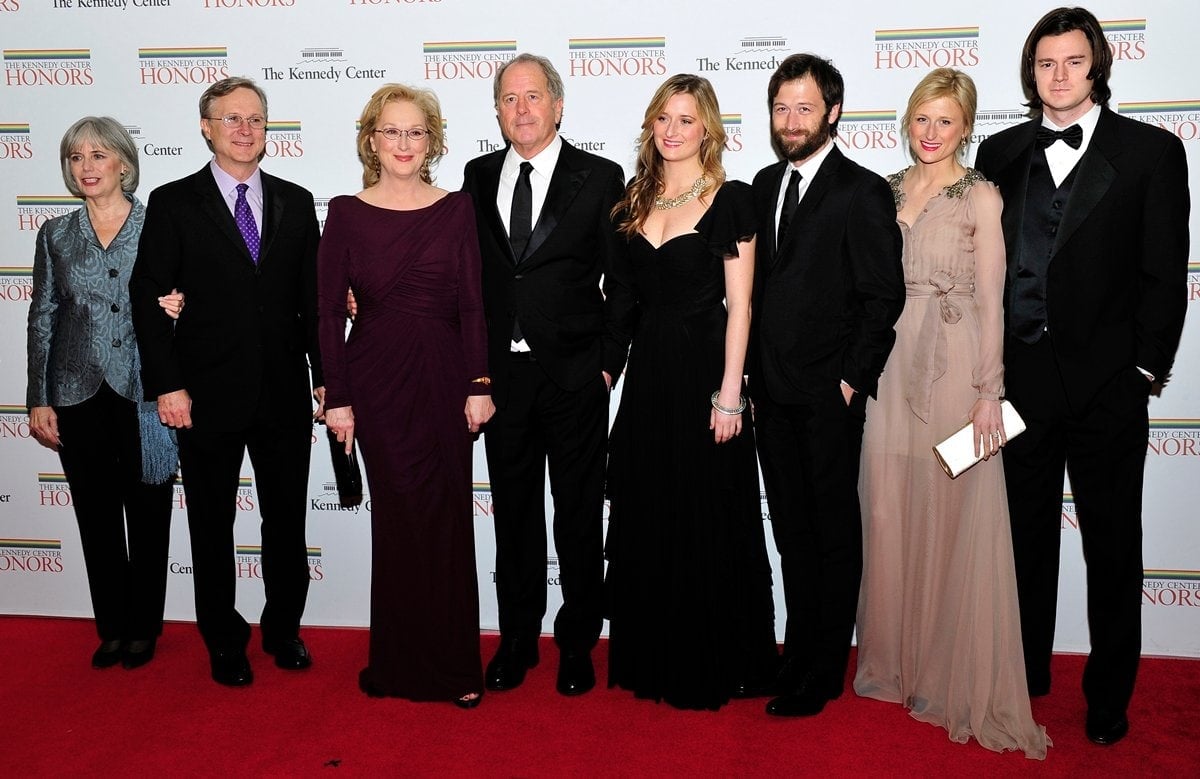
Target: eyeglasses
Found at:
x=394, y=134
x=235, y=121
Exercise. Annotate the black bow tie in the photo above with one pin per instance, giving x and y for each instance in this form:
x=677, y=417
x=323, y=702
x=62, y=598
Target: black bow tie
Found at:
x=1072, y=136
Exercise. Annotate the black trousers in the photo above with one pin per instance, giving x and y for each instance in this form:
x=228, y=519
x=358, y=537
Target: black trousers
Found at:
x=212, y=463
x=1103, y=447
x=543, y=423
x=809, y=455
x=124, y=525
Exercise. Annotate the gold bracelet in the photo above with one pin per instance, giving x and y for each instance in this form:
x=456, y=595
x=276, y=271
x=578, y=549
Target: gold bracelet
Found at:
x=482, y=380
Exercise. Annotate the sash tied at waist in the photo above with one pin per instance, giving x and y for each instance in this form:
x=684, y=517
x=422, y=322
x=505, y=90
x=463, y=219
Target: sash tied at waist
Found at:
x=929, y=360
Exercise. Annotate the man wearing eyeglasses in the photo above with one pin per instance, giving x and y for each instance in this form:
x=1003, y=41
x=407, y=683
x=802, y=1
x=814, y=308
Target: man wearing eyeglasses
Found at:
x=232, y=374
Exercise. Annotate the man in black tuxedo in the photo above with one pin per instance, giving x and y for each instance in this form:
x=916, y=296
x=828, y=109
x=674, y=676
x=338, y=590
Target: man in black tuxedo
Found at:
x=828, y=289
x=555, y=347
x=1096, y=225
x=233, y=373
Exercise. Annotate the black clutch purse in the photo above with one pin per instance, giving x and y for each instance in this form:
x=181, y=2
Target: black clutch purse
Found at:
x=345, y=471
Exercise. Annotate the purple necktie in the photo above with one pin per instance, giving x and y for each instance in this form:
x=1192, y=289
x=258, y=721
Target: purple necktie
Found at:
x=245, y=221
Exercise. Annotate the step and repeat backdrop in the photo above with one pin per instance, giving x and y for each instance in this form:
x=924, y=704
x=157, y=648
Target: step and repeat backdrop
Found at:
x=146, y=63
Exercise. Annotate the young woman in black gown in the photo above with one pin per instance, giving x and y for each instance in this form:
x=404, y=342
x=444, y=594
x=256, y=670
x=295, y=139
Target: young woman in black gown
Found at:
x=692, y=616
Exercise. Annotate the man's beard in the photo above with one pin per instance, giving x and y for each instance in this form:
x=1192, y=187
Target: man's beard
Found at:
x=796, y=150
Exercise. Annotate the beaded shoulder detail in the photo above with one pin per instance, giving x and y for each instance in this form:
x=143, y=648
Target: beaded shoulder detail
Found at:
x=965, y=182
x=969, y=179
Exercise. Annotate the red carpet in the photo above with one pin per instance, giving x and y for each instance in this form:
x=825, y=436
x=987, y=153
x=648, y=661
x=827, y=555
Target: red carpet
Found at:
x=60, y=717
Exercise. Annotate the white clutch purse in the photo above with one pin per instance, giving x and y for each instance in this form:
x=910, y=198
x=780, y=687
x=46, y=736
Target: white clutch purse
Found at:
x=957, y=453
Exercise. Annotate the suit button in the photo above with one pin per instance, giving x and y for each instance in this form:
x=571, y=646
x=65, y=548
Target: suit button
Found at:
x=1054, y=229
x=114, y=308
x=1056, y=205
x=116, y=342
x=113, y=273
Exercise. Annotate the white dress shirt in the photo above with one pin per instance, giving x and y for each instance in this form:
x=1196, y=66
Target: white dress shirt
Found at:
x=539, y=183
x=1061, y=158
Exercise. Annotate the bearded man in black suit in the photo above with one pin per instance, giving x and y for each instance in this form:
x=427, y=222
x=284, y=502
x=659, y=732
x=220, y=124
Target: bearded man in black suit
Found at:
x=828, y=289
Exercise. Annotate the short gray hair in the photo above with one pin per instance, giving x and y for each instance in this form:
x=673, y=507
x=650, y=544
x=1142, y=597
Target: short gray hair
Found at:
x=108, y=134
x=554, y=81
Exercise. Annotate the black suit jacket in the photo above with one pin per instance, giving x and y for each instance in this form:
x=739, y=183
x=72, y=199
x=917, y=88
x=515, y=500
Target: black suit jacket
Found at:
x=1116, y=286
x=826, y=300
x=575, y=331
x=243, y=345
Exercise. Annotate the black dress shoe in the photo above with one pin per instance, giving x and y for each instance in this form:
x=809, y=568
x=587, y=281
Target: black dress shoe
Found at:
x=231, y=668
x=137, y=653
x=107, y=654
x=507, y=669
x=290, y=654
x=808, y=698
x=575, y=673
x=468, y=702
x=1106, y=728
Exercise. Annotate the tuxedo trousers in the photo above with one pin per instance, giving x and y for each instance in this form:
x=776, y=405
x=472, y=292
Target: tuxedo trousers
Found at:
x=1102, y=445
x=542, y=424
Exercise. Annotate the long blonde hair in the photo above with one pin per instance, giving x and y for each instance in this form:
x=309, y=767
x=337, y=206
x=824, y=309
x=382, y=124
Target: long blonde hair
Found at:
x=638, y=203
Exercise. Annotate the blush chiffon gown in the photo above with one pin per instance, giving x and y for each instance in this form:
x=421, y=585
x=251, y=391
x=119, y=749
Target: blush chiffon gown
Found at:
x=938, y=626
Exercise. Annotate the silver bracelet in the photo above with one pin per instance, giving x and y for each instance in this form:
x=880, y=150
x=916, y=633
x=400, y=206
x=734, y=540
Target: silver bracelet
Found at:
x=729, y=412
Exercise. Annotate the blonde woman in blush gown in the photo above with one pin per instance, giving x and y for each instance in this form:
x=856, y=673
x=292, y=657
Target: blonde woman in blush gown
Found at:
x=938, y=624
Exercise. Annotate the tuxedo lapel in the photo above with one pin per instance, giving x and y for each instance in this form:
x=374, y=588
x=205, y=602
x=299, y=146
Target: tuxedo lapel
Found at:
x=817, y=189
x=1096, y=175
x=212, y=205
x=1012, y=177
x=565, y=184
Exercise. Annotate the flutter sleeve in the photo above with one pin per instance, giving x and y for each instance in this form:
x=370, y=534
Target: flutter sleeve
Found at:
x=730, y=221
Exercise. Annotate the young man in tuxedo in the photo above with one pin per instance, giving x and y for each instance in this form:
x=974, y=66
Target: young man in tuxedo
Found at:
x=1096, y=227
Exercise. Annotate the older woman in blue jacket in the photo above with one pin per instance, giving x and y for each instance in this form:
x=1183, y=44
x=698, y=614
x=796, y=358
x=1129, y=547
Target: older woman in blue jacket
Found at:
x=85, y=391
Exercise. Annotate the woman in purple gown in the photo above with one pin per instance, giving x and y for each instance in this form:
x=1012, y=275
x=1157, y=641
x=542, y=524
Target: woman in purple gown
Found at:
x=410, y=382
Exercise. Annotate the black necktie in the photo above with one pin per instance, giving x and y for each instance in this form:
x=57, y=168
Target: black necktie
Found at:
x=520, y=224
x=520, y=219
x=1072, y=136
x=791, y=199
